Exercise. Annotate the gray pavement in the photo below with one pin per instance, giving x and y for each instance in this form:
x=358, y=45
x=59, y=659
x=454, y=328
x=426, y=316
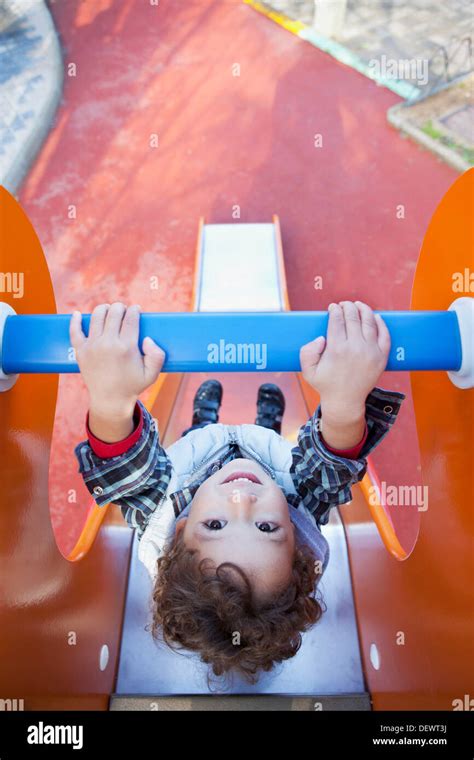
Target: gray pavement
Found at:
x=31, y=74
x=439, y=32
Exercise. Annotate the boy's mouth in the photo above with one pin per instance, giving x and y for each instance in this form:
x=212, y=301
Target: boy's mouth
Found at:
x=242, y=476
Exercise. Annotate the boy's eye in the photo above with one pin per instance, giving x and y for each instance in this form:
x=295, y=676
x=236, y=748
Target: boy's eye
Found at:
x=215, y=524
x=267, y=527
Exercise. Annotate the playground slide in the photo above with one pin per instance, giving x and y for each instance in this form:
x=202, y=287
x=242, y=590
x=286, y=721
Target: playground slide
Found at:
x=239, y=268
x=398, y=624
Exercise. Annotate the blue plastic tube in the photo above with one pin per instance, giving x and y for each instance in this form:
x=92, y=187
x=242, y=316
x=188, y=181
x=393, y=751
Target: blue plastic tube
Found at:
x=239, y=342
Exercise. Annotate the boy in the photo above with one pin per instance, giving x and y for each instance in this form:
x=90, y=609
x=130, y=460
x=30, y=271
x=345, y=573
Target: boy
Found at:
x=229, y=517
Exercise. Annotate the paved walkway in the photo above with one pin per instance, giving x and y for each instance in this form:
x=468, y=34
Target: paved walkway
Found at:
x=113, y=212
x=30, y=84
x=421, y=29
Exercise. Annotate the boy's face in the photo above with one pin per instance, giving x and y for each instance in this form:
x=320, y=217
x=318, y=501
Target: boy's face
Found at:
x=240, y=515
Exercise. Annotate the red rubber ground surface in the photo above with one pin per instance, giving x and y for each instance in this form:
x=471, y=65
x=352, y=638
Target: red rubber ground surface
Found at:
x=223, y=141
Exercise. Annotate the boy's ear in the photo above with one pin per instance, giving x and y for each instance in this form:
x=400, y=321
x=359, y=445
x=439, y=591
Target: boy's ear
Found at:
x=180, y=526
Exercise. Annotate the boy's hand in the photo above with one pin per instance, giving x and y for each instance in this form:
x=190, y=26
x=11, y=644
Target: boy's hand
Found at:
x=345, y=367
x=113, y=369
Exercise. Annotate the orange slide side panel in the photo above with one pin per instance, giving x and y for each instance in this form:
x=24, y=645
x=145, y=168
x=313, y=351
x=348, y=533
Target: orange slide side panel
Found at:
x=55, y=616
x=419, y=613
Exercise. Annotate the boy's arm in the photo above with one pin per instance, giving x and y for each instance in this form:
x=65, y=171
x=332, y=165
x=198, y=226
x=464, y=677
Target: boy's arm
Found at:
x=136, y=473
x=353, y=415
x=323, y=476
x=133, y=473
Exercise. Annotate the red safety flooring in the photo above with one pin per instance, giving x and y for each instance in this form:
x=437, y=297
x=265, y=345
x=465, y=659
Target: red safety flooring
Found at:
x=118, y=218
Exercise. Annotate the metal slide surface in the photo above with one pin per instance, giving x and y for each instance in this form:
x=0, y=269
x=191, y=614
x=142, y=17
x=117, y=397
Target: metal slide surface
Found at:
x=328, y=662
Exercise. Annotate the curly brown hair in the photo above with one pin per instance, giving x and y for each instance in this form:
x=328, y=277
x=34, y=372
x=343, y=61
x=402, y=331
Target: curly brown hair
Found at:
x=211, y=610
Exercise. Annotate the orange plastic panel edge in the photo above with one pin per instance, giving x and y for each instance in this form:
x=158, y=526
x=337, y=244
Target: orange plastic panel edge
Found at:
x=55, y=616
x=417, y=615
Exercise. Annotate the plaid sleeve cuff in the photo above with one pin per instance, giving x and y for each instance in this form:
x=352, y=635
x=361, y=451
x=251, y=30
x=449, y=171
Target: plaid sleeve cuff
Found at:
x=381, y=407
x=323, y=477
x=116, y=449
x=136, y=481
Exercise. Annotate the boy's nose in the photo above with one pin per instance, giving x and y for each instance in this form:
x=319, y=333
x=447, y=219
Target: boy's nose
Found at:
x=243, y=499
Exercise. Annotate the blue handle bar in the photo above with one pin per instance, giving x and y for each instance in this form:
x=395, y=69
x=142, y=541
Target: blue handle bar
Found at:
x=239, y=342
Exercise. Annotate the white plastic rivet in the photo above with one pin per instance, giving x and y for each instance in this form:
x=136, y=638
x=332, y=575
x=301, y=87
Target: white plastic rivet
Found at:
x=464, y=308
x=104, y=657
x=6, y=381
x=374, y=656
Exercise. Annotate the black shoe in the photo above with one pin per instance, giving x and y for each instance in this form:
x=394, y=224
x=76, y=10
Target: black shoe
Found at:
x=207, y=401
x=270, y=407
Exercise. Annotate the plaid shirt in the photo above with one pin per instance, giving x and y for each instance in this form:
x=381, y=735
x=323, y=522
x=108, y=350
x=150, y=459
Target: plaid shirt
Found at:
x=138, y=480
